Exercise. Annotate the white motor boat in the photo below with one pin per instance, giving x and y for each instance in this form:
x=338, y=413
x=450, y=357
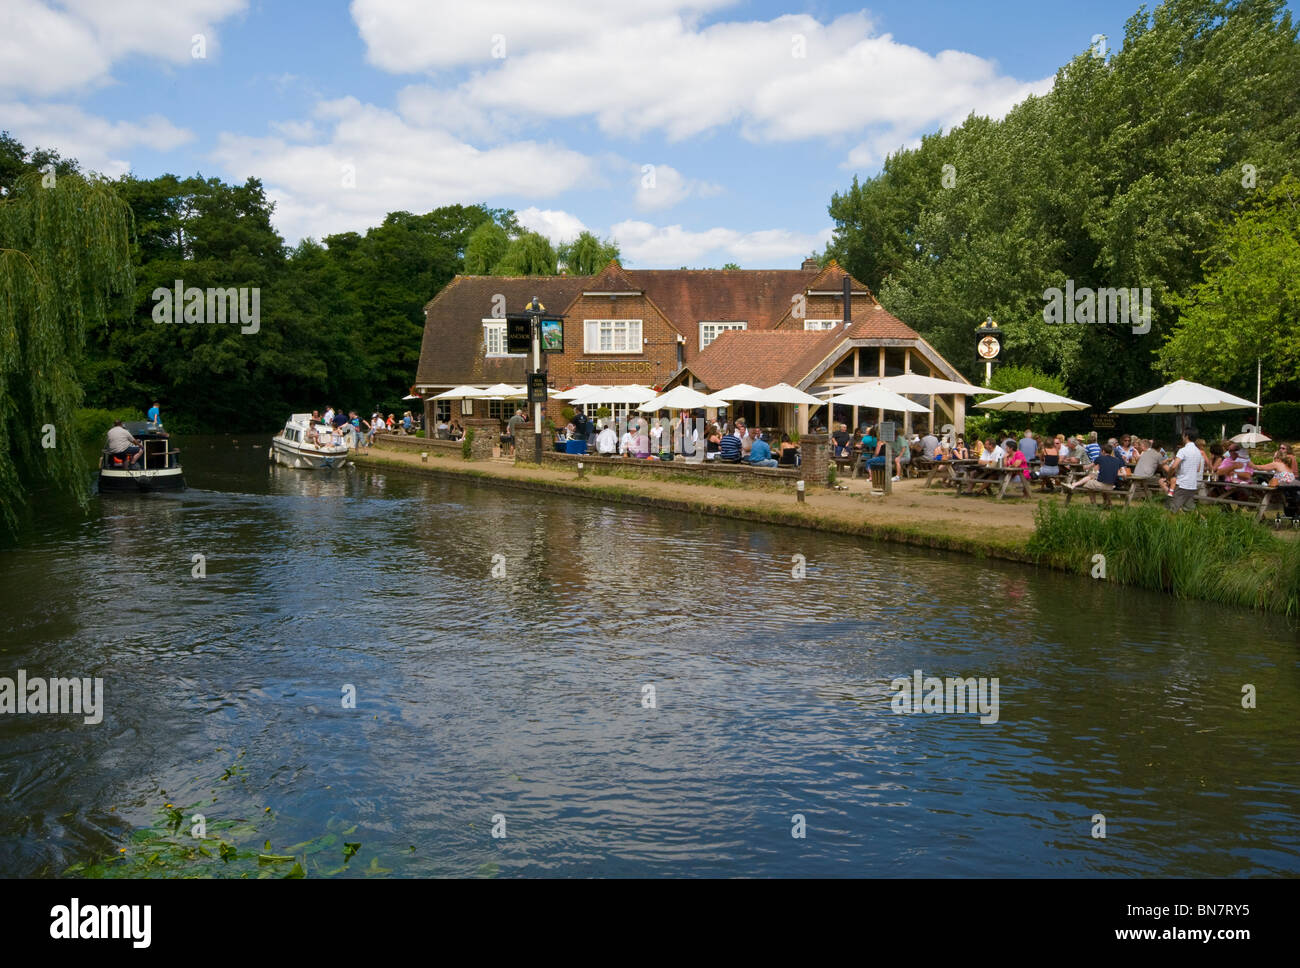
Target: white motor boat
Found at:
x=304, y=444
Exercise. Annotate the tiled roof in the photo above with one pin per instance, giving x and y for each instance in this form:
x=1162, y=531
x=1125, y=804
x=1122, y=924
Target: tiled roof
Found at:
x=447, y=358
x=687, y=297
x=761, y=358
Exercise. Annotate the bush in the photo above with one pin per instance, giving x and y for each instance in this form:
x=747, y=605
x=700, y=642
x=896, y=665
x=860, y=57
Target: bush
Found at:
x=92, y=425
x=467, y=444
x=1281, y=421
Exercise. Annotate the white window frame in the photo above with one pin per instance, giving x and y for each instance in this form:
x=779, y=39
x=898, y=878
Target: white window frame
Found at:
x=633, y=344
x=497, y=325
x=719, y=326
x=823, y=325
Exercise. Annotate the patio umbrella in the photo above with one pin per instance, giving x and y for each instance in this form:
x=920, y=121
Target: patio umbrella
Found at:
x=412, y=396
x=784, y=393
x=574, y=391
x=629, y=393
x=1032, y=400
x=874, y=397
x=504, y=391
x=930, y=386
x=1183, y=396
x=1251, y=438
x=741, y=391
x=459, y=393
x=681, y=398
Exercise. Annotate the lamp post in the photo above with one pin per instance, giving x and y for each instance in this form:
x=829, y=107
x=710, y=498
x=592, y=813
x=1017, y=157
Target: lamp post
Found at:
x=988, y=346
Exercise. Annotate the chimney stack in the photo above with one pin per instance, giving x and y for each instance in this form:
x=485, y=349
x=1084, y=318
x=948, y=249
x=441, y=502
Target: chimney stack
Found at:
x=810, y=265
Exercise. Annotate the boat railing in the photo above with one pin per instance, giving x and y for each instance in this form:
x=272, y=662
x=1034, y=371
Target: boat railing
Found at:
x=162, y=460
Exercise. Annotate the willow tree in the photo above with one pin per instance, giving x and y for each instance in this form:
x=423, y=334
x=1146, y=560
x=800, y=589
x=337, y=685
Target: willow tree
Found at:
x=64, y=255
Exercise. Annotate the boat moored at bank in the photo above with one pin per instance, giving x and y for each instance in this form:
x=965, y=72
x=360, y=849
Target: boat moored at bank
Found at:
x=307, y=445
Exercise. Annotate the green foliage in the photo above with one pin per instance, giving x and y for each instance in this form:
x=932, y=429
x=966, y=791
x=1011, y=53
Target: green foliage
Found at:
x=587, y=255
x=1212, y=554
x=1281, y=421
x=1117, y=177
x=731, y=266
x=467, y=444
x=64, y=264
x=529, y=254
x=486, y=246
x=1248, y=307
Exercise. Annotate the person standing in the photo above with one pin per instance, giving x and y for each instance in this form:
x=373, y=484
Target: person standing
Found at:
x=512, y=427
x=607, y=442
x=1029, y=446
x=1186, y=467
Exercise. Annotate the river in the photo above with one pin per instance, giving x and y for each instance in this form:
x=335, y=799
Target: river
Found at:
x=547, y=686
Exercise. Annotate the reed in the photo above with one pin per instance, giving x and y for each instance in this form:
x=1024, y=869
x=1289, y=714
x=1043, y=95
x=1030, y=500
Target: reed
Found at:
x=1208, y=554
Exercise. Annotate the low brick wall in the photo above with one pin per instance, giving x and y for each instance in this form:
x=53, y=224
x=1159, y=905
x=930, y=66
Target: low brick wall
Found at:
x=661, y=468
x=400, y=442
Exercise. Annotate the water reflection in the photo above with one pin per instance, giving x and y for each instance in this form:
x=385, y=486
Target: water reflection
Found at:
x=523, y=694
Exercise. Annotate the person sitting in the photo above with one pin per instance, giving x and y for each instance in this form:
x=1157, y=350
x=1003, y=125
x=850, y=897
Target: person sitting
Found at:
x=960, y=450
x=992, y=455
x=1016, y=458
x=442, y=429
x=729, y=448
x=789, y=452
x=607, y=442
x=122, y=446
x=842, y=439
x=455, y=431
x=713, y=443
x=1051, y=466
x=640, y=442
x=1281, y=471
x=1105, y=474
x=760, y=454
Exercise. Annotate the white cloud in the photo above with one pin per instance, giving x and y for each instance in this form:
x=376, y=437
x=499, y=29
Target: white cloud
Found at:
x=555, y=225
x=651, y=67
x=370, y=162
x=94, y=142
x=669, y=246
x=48, y=49
x=662, y=186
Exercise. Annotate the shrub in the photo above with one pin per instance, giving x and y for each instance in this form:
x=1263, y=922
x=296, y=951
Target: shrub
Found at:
x=1281, y=421
x=467, y=444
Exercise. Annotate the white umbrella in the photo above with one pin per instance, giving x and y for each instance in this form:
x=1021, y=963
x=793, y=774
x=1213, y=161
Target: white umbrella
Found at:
x=874, y=397
x=784, y=393
x=928, y=385
x=630, y=393
x=574, y=391
x=460, y=393
x=412, y=396
x=681, y=398
x=1183, y=396
x=503, y=391
x=1250, y=438
x=741, y=391
x=1033, y=400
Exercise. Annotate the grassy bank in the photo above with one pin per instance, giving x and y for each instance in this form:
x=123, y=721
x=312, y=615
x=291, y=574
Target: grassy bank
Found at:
x=1219, y=557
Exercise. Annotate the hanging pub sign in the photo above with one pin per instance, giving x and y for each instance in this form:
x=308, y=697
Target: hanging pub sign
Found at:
x=552, y=336
x=519, y=333
x=536, y=388
x=988, y=346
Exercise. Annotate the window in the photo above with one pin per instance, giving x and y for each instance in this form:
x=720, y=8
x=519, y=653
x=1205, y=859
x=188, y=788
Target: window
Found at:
x=710, y=331
x=611, y=336
x=494, y=338
x=813, y=324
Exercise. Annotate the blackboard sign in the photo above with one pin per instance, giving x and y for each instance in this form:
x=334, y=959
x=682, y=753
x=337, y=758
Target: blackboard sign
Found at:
x=537, y=387
x=887, y=431
x=519, y=335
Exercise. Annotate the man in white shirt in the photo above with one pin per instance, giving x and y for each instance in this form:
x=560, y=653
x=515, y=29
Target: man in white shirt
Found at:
x=628, y=439
x=607, y=442
x=1187, y=468
x=992, y=455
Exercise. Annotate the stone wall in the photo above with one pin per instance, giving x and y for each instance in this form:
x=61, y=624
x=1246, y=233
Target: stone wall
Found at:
x=815, y=449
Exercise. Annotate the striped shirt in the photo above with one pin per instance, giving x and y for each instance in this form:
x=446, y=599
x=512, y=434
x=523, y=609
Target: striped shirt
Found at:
x=1094, y=451
x=729, y=448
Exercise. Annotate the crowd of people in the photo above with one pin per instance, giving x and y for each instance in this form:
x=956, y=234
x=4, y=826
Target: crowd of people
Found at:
x=335, y=427
x=686, y=438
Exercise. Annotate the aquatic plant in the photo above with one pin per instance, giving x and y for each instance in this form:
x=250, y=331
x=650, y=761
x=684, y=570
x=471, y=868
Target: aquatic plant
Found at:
x=1211, y=554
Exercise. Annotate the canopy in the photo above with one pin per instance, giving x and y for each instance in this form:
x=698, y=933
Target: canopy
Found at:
x=784, y=393
x=628, y=393
x=741, y=391
x=915, y=383
x=503, y=390
x=1183, y=396
x=1250, y=438
x=875, y=397
x=459, y=393
x=681, y=398
x=1033, y=400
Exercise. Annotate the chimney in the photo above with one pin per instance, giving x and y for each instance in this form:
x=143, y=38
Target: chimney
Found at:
x=810, y=265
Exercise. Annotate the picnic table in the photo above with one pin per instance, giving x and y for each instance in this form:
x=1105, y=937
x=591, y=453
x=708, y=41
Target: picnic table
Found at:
x=1256, y=497
x=949, y=471
x=987, y=476
x=1130, y=487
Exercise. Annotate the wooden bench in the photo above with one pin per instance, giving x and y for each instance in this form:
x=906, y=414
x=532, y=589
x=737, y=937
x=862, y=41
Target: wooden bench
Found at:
x=985, y=478
x=1252, y=497
x=1130, y=487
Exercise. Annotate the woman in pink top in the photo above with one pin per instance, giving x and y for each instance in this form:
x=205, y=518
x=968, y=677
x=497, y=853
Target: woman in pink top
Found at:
x=1017, y=458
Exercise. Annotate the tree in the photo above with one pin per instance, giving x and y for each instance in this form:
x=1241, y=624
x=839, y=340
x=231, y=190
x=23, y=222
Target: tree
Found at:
x=731, y=267
x=1248, y=306
x=587, y=255
x=64, y=259
x=529, y=254
x=486, y=246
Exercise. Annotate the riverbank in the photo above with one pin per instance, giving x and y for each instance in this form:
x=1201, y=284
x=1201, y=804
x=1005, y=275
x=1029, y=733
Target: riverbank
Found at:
x=913, y=515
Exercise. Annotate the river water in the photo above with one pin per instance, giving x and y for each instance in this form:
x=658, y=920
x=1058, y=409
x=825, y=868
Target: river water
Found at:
x=517, y=705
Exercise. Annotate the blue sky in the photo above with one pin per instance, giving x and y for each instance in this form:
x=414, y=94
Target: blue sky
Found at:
x=694, y=133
